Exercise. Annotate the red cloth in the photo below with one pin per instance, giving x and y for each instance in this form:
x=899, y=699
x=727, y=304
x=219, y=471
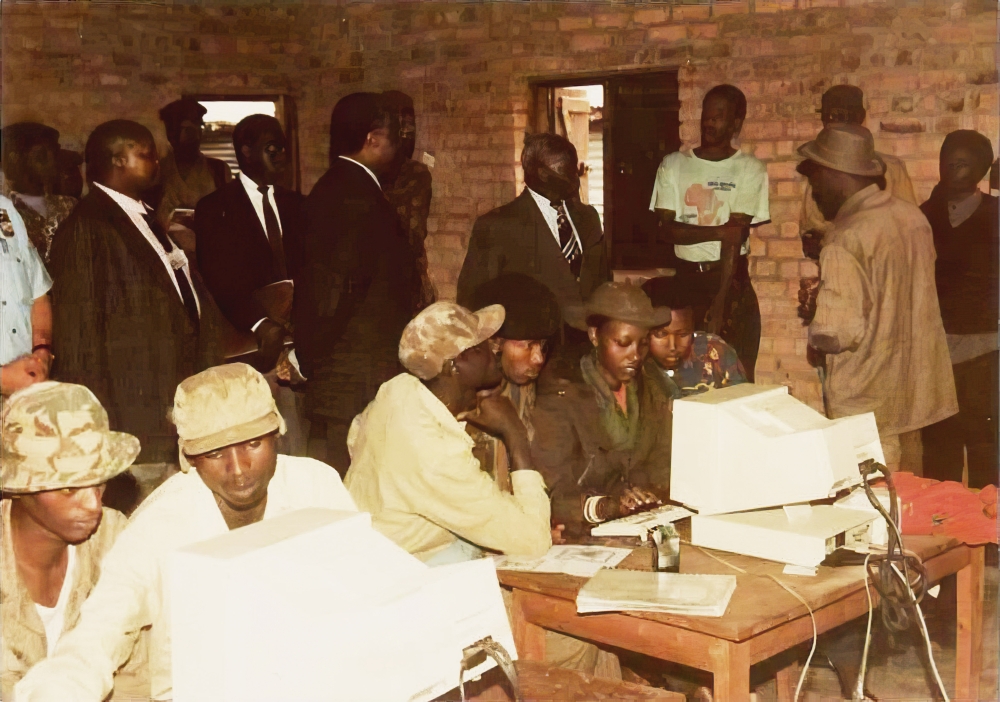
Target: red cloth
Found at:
x=946, y=508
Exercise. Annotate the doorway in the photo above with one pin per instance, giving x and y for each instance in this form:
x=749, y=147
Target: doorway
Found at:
x=225, y=112
x=632, y=122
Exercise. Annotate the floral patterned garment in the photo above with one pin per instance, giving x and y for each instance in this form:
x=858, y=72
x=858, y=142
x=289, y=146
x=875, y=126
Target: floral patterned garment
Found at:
x=410, y=196
x=712, y=363
x=41, y=230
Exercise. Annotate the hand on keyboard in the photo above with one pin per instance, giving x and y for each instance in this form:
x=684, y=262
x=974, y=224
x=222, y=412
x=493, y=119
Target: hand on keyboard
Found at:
x=634, y=500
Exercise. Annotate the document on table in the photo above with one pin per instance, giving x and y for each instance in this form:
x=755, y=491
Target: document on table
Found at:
x=582, y=561
x=674, y=593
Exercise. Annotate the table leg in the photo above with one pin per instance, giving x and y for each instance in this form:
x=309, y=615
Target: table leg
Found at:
x=529, y=638
x=787, y=679
x=969, y=638
x=731, y=670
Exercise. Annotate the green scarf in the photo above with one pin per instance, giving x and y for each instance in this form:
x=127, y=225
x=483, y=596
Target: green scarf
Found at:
x=622, y=430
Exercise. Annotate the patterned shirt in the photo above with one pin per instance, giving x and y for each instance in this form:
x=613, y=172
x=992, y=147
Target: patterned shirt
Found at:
x=410, y=196
x=42, y=228
x=712, y=363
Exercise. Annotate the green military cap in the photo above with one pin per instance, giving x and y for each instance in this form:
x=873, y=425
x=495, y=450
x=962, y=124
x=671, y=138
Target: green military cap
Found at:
x=222, y=406
x=56, y=436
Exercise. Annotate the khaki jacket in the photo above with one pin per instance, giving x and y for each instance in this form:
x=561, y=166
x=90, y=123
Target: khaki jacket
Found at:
x=24, y=642
x=897, y=182
x=413, y=469
x=878, y=319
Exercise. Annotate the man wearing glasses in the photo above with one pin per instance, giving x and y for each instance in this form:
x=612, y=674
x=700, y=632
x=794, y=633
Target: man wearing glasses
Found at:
x=358, y=286
x=844, y=104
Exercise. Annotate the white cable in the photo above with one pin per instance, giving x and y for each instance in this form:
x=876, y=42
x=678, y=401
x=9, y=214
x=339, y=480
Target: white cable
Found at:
x=812, y=617
x=805, y=668
x=927, y=637
x=859, y=686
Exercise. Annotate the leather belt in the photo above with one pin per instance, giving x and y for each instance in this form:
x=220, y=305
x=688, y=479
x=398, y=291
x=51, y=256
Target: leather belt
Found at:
x=699, y=266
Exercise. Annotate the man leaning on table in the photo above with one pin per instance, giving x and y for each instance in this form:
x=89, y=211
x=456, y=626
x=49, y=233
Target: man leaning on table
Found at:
x=228, y=426
x=413, y=467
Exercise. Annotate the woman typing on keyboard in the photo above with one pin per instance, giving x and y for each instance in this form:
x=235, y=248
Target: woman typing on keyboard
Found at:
x=602, y=438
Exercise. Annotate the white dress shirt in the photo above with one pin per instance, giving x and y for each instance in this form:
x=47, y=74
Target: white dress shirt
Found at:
x=133, y=590
x=257, y=200
x=552, y=217
x=367, y=169
x=135, y=209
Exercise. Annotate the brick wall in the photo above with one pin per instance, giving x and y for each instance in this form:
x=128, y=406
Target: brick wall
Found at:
x=926, y=66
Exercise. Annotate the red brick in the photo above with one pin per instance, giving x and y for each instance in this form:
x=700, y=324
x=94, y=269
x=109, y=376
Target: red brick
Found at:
x=670, y=33
x=784, y=248
x=572, y=23
x=588, y=42
x=701, y=31
x=652, y=16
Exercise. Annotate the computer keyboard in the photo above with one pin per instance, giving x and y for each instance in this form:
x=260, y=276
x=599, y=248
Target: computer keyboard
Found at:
x=638, y=524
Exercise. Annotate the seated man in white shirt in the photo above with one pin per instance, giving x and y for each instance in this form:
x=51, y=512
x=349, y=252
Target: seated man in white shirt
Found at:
x=228, y=426
x=708, y=198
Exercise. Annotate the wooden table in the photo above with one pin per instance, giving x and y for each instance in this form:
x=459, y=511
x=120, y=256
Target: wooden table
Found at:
x=762, y=621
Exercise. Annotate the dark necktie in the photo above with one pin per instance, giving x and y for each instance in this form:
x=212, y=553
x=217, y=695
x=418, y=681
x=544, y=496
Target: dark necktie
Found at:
x=273, y=231
x=567, y=242
x=187, y=294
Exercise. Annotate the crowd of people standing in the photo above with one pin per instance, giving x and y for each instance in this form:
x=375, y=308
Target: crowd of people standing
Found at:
x=228, y=336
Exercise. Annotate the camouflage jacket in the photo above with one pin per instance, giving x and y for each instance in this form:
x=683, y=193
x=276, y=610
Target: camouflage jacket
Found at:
x=23, y=635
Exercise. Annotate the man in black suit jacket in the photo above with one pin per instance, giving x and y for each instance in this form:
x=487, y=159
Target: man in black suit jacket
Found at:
x=546, y=232
x=128, y=310
x=248, y=235
x=358, y=285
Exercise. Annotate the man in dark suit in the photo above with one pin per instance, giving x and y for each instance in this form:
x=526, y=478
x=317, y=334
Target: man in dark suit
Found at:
x=124, y=300
x=546, y=232
x=358, y=286
x=247, y=236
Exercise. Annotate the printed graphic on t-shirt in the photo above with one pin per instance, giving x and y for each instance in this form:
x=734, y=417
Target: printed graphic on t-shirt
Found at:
x=705, y=200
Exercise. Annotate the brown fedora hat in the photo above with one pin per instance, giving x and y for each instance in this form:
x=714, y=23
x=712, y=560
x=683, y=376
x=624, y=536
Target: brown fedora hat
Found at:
x=622, y=301
x=848, y=148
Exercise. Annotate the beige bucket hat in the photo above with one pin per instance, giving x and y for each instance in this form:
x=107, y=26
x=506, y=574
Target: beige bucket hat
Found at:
x=622, y=301
x=441, y=332
x=56, y=436
x=848, y=148
x=222, y=406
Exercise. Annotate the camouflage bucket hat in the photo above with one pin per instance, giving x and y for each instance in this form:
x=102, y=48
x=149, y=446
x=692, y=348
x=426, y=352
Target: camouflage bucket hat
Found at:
x=56, y=436
x=222, y=406
x=441, y=332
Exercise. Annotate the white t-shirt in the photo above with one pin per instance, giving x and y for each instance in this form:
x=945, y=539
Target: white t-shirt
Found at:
x=54, y=617
x=706, y=192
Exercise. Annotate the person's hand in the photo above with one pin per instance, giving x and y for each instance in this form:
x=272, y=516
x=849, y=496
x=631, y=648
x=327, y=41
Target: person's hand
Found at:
x=815, y=357
x=44, y=357
x=496, y=415
x=557, y=534
x=812, y=243
x=20, y=373
x=808, y=292
x=731, y=233
x=716, y=315
x=270, y=343
x=637, y=500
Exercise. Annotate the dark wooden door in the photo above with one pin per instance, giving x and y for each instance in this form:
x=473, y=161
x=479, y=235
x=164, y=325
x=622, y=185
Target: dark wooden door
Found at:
x=641, y=127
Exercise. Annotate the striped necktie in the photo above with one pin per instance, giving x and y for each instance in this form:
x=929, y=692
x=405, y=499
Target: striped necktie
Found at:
x=567, y=241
